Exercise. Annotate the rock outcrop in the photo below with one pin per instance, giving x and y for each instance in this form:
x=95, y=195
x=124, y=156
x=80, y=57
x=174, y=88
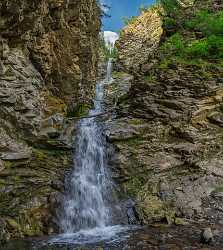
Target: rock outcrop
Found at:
x=48, y=67
x=168, y=132
x=139, y=39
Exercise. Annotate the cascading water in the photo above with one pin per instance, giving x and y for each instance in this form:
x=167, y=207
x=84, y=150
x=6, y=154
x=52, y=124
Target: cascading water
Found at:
x=86, y=203
x=87, y=213
x=109, y=70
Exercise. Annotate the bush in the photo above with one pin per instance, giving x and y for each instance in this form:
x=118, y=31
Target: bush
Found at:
x=215, y=46
x=175, y=44
x=198, y=49
x=171, y=7
x=170, y=23
x=207, y=23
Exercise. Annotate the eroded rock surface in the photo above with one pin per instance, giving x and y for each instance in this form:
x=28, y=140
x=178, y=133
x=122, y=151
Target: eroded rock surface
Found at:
x=48, y=61
x=138, y=40
x=167, y=134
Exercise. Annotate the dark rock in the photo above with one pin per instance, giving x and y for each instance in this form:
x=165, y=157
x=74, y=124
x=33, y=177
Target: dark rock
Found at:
x=207, y=236
x=133, y=217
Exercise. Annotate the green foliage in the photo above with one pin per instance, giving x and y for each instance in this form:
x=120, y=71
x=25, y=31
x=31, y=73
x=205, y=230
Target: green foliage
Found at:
x=206, y=22
x=174, y=45
x=211, y=47
x=150, y=78
x=198, y=33
x=171, y=15
x=198, y=48
x=215, y=46
x=171, y=7
x=206, y=48
x=170, y=23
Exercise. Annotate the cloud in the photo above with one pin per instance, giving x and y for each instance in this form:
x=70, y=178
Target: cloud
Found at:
x=104, y=7
x=110, y=38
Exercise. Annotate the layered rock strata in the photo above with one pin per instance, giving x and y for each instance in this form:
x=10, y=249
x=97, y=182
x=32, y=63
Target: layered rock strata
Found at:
x=48, y=67
x=167, y=133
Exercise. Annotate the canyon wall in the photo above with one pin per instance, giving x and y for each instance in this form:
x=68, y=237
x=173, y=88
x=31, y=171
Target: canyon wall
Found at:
x=168, y=127
x=48, y=68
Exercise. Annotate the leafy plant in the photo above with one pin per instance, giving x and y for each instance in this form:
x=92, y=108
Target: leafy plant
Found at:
x=171, y=7
x=207, y=23
x=198, y=49
x=175, y=45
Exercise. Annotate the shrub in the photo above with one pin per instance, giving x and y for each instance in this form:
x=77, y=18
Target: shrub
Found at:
x=171, y=7
x=207, y=23
x=198, y=49
x=170, y=23
x=215, y=46
x=175, y=44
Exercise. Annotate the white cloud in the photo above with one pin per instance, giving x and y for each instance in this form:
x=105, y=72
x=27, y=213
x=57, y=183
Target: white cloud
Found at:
x=110, y=38
x=103, y=6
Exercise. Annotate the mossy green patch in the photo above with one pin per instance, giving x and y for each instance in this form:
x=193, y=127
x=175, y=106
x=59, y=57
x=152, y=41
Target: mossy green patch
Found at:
x=118, y=74
x=81, y=110
x=151, y=209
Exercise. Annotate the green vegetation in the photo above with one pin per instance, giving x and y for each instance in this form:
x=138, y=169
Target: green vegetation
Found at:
x=194, y=34
x=81, y=110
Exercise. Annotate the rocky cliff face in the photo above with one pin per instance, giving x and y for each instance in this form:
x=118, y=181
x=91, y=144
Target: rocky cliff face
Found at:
x=48, y=52
x=139, y=39
x=168, y=129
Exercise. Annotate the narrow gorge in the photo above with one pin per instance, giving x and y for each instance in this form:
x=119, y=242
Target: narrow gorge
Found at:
x=111, y=144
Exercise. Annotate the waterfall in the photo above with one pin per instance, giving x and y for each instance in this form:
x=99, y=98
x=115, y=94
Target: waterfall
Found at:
x=109, y=70
x=86, y=203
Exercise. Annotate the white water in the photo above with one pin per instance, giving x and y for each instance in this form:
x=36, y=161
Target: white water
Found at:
x=87, y=202
x=87, y=206
x=109, y=78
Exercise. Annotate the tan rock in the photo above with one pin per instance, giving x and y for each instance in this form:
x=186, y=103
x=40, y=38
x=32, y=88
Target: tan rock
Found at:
x=139, y=39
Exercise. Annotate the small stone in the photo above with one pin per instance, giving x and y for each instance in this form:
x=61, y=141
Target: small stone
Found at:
x=207, y=236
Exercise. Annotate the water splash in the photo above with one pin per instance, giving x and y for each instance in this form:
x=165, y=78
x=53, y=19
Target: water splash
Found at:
x=83, y=237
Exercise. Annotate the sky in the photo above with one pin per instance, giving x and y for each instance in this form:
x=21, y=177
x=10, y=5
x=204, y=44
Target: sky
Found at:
x=120, y=9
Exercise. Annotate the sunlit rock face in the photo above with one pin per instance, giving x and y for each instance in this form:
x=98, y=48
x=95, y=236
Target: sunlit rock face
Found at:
x=48, y=52
x=139, y=39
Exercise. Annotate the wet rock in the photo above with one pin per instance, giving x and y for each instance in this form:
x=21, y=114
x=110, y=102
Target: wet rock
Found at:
x=48, y=67
x=132, y=215
x=207, y=236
